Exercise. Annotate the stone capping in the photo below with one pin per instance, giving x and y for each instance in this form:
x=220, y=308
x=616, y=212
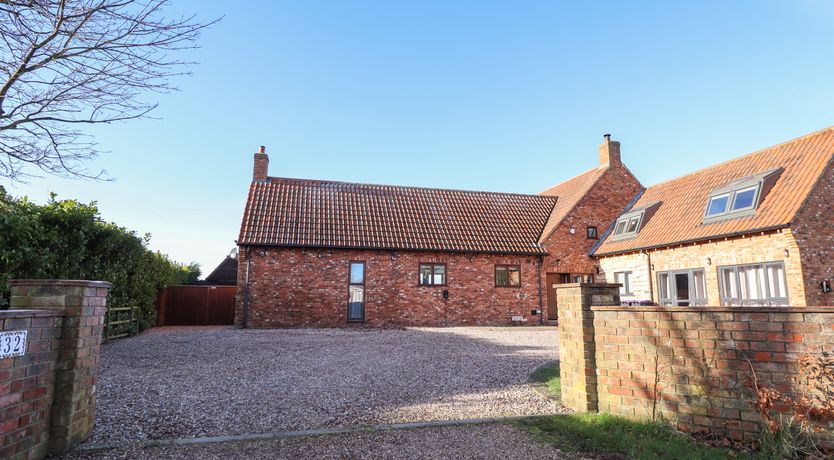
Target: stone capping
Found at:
x=39, y=282
x=727, y=309
x=32, y=312
x=592, y=285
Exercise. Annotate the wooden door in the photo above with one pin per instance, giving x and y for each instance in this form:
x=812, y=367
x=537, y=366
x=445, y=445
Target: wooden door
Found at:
x=553, y=280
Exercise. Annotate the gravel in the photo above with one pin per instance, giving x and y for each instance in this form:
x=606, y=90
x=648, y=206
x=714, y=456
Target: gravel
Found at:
x=464, y=442
x=186, y=382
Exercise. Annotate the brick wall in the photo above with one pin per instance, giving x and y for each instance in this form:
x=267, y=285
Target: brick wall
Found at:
x=309, y=287
x=27, y=382
x=815, y=236
x=687, y=364
x=577, y=350
x=47, y=396
x=767, y=247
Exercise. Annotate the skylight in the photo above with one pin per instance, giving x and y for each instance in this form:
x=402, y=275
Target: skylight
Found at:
x=628, y=225
x=740, y=197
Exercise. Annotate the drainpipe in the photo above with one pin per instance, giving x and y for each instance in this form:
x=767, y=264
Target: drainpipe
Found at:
x=245, y=320
x=651, y=282
x=541, y=312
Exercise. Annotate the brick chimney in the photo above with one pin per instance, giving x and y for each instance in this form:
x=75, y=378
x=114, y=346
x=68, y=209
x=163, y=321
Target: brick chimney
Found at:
x=609, y=152
x=261, y=169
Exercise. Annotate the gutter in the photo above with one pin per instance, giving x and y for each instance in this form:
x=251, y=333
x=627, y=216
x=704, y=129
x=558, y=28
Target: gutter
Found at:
x=245, y=320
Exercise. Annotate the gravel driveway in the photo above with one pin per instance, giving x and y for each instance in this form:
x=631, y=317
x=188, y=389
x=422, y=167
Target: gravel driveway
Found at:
x=488, y=441
x=184, y=382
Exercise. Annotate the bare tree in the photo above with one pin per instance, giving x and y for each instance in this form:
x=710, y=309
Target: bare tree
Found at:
x=70, y=63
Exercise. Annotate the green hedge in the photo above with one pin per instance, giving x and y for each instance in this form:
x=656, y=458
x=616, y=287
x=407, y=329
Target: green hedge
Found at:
x=65, y=239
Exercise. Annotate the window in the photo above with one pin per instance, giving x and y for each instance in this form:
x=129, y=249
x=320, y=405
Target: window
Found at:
x=753, y=285
x=627, y=226
x=740, y=197
x=432, y=274
x=718, y=205
x=623, y=278
x=507, y=276
x=682, y=287
x=592, y=233
x=580, y=278
x=356, y=292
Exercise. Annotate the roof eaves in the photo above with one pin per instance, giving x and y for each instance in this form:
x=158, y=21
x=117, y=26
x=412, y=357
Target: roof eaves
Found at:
x=693, y=240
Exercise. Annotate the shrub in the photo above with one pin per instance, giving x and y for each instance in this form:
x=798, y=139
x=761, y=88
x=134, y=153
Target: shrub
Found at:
x=65, y=239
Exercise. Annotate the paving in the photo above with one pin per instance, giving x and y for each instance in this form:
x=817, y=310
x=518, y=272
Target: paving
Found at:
x=195, y=382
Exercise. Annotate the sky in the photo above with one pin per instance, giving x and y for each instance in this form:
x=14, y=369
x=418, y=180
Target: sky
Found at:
x=509, y=96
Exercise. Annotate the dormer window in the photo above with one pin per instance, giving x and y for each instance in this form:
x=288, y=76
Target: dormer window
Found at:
x=739, y=198
x=629, y=224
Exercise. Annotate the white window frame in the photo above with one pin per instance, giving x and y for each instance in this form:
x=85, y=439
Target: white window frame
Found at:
x=764, y=287
x=626, y=276
x=673, y=301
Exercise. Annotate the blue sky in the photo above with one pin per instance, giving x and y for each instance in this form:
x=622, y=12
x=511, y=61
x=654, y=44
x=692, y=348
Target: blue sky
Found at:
x=486, y=95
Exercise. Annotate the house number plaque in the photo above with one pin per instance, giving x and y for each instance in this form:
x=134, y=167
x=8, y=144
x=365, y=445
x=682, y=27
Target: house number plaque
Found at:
x=12, y=343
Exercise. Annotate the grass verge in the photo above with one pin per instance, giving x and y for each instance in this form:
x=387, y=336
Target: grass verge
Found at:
x=610, y=436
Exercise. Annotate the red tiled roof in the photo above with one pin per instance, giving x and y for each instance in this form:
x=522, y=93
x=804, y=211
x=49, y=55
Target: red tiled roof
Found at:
x=569, y=193
x=683, y=200
x=312, y=213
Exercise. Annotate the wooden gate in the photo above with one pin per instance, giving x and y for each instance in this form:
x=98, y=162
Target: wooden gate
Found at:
x=196, y=305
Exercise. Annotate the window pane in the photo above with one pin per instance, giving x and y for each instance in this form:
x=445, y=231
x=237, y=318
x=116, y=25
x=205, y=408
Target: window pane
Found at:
x=439, y=274
x=356, y=303
x=501, y=276
x=632, y=225
x=592, y=233
x=627, y=282
x=729, y=290
x=744, y=199
x=717, y=205
x=425, y=274
x=699, y=290
x=620, y=227
x=776, y=280
x=664, y=291
x=357, y=273
x=515, y=276
x=682, y=288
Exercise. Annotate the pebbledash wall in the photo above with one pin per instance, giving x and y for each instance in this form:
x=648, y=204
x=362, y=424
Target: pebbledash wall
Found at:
x=47, y=396
x=690, y=365
x=290, y=287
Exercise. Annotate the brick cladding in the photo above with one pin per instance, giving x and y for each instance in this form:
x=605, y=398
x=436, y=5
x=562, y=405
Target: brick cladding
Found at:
x=309, y=287
x=605, y=200
x=814, y=233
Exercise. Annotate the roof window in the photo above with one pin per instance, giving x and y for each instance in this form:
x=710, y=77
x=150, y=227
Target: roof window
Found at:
x=630, y=223
x=740, y=197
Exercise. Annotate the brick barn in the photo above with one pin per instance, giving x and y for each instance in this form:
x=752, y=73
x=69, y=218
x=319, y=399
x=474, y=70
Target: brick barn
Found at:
x=325, y=254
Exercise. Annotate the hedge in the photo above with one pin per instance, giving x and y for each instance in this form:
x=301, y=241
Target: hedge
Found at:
x=65, y=239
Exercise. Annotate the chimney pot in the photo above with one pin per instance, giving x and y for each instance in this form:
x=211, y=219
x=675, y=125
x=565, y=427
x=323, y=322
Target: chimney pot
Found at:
x=606, y=136
x=262, y=149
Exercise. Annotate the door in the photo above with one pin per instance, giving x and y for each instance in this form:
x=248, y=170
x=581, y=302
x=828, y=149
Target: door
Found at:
x=356, y=292
x=553, y=280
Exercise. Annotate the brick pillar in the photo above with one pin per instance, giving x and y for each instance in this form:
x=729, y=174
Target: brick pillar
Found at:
x=83, y=304
x=577, y=350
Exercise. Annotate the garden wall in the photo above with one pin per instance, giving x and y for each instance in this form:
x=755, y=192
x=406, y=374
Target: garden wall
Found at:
x=691, y=365
x=47, y=394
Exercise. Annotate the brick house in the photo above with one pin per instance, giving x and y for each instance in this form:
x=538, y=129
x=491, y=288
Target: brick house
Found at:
x=755, y=230
x=324, y=254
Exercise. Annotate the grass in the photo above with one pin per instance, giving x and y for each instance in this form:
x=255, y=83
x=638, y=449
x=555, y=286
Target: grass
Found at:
x=612, y=436
x=549, y=376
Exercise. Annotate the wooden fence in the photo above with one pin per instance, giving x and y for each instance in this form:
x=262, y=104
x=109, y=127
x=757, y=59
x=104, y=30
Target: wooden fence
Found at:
x=197, y=305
